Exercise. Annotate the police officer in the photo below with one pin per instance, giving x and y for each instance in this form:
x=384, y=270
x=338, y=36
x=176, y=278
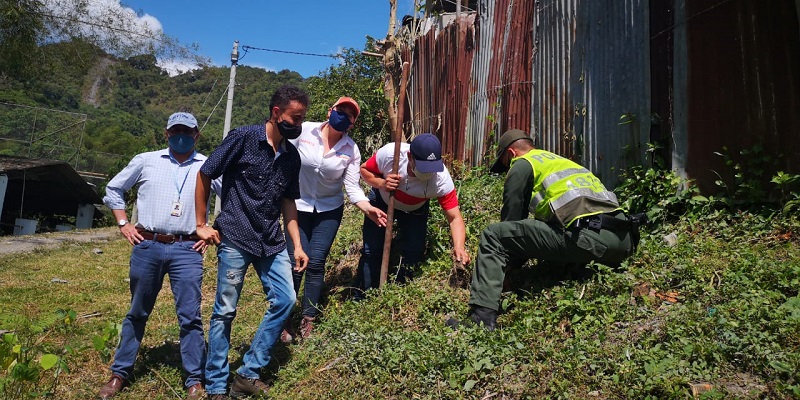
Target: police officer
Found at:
x=575, y=220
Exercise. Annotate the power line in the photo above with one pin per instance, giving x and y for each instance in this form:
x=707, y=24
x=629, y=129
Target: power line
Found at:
x=98, y=25
x=215, y=107
x=43, y=108
x=246, y=48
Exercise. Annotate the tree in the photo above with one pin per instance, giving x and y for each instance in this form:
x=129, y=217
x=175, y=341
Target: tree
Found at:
x=21, y=27
x=27, y=24
x=360, y=77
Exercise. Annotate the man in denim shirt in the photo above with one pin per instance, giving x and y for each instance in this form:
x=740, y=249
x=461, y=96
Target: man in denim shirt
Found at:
x=260, y=183
x=163, y=243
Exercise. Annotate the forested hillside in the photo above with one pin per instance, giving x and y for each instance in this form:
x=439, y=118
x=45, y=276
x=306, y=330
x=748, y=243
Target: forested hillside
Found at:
x=126, y=100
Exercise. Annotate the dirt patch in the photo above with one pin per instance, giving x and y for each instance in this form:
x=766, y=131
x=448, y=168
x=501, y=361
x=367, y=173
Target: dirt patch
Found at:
x=98, y=77
x=28, y=243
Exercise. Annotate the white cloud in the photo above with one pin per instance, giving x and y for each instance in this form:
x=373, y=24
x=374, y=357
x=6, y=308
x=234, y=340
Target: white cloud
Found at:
x=177, y=67
x=264, y=67
x=109, y=24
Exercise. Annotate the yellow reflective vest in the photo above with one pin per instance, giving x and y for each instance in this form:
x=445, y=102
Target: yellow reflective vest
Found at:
x=565, y=191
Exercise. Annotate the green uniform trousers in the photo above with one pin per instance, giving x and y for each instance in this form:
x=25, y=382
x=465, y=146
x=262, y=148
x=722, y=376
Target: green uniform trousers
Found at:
x=534, y=239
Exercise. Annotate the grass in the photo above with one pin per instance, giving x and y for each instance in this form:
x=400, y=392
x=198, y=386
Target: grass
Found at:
x=717, y=315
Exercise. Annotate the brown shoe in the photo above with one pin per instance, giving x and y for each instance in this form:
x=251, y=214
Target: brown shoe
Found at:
x=306, y=326
x=219, y=397
x=111, y=388
x=248, y=387
x=195, y=392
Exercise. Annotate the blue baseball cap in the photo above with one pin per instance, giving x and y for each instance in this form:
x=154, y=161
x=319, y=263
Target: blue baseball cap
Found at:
x=182, y=118
x=427, y=152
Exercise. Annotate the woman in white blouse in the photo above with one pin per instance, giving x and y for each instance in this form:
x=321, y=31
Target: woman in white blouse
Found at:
x=330, y=161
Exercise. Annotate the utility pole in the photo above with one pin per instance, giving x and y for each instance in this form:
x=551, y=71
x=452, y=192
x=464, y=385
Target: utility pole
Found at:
x=228, y=109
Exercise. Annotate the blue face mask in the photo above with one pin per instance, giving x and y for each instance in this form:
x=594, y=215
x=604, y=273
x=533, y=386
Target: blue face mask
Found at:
x=339, y=121
x=181, y=144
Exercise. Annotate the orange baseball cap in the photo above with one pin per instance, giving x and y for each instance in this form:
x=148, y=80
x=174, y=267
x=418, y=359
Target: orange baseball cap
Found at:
x=350, y=101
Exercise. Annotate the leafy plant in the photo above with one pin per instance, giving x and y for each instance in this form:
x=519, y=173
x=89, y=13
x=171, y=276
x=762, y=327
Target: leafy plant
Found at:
x=660, y=193
x=107, y=340
x=789, y=198
x=746, y=183
x=31, y=368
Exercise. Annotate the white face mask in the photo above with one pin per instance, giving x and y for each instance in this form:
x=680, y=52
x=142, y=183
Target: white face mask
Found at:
x=423, y=176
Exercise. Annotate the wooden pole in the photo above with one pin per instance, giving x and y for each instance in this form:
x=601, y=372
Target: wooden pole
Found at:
x=398, y=138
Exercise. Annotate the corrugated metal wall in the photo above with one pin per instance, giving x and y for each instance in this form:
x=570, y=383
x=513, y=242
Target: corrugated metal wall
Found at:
x=743, y=87
x=597, y=80
x=468, y=85
x=591, y=99
x=501, y=74
x=439, y=82
x=551, y=67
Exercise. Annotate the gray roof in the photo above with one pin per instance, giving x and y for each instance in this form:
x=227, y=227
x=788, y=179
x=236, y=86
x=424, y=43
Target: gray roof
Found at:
x=50, y=187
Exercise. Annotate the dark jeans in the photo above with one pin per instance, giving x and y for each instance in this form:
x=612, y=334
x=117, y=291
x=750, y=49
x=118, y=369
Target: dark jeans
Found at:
x=150, y=261
x=411, y=229
x=317, y=231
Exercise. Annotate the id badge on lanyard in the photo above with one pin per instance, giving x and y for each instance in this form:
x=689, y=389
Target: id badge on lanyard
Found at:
x=177, y=206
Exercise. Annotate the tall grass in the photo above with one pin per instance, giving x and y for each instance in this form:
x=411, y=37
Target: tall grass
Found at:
x=715, y=310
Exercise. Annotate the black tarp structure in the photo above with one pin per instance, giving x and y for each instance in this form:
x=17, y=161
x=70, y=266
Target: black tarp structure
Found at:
x=48, y=190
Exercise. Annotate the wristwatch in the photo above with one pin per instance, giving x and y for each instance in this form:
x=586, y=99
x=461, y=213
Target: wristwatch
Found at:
x=122, y=222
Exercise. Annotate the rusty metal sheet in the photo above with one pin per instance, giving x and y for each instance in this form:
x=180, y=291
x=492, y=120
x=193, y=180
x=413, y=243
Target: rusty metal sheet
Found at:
x=743, y=88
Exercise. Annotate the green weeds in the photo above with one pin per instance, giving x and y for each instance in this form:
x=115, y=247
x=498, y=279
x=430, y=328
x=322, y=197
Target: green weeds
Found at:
x=716, y=308
x=31, y=367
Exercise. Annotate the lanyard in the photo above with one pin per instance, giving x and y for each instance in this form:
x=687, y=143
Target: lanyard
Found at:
x=179, y=188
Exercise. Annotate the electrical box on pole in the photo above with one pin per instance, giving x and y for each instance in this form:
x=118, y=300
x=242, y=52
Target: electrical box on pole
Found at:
x=229, y=108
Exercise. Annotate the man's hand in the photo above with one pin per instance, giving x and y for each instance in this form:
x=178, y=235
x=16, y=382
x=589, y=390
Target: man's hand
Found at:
x=376, y=215
x=208, y=234
x=461, y=255
x=300, y=259
x=391, y=182
x=130, y=233
x=200, y=246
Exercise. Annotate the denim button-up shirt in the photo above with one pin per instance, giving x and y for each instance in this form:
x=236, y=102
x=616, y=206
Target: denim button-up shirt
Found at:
x=255, y=182
x=163, y=181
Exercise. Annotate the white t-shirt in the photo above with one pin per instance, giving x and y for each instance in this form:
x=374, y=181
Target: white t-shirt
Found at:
x=322, y=176
x=412, y=192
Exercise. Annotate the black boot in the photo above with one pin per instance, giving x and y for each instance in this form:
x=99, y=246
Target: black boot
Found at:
x=484, y=315
x=478, y=315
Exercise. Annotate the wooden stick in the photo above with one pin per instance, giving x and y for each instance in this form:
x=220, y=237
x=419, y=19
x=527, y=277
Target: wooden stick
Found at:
x=398, y=137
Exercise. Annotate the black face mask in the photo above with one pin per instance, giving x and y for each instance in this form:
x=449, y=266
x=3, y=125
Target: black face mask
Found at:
x=289, y=131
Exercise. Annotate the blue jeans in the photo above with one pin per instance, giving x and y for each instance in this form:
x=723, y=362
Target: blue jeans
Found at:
x=275, y=273
x=411, y=230
x=317, y=231
x=150, y=262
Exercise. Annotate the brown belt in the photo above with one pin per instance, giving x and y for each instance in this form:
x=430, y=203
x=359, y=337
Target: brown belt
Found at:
x=166, y=238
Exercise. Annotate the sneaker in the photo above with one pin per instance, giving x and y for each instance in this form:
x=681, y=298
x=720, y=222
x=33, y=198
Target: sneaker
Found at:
x=248, y=387
x=306, y=326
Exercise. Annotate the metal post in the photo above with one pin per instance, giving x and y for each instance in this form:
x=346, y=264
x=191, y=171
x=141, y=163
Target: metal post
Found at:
x=228, y=109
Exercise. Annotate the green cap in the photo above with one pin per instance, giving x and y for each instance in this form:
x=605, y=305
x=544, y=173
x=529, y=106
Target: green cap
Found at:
x=506, y=140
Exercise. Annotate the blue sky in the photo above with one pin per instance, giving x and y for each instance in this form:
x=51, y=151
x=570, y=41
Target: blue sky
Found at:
x=306, y=26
